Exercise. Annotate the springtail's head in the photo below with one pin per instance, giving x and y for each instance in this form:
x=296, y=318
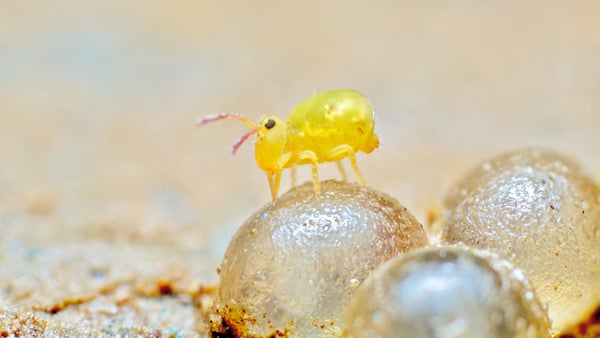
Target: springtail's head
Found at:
x=271, y=138
x=254, y=128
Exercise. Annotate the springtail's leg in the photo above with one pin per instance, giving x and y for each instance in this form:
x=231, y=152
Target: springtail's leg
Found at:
x=312, y=157
x=356, y=171
x=342, y=171
x=315, y=176
x=293, y=176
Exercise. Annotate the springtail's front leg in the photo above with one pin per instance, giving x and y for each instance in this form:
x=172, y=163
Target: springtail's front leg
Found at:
x=274, y=177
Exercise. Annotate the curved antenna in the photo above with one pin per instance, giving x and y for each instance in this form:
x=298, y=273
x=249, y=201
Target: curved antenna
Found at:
x=242, y=139
x=212, y=118
x=216, y=117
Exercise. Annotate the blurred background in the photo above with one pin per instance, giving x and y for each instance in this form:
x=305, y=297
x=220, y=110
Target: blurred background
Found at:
x=98, y=101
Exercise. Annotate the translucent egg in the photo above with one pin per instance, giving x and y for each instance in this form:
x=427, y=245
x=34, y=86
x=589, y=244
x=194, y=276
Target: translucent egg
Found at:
x=539, y=211
x=294, y=265
x=447, y=292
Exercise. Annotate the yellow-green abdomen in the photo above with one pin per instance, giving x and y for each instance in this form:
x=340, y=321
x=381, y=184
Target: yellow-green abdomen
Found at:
x=329, y=119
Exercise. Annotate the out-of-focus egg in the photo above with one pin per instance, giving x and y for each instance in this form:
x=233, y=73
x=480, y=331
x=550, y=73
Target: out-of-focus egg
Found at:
x=538, y=210
x=446, y=292
x=295, y=264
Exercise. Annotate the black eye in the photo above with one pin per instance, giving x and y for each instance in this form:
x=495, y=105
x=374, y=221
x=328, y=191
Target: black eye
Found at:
x=270, y=124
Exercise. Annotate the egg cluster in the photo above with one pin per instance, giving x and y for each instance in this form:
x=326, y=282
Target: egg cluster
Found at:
x=518, y=240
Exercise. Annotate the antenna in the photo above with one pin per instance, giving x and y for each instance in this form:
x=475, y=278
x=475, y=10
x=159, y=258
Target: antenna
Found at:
x=223, y=116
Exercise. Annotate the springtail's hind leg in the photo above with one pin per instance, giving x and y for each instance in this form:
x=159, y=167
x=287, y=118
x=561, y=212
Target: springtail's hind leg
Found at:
x=315, y=176
x=312, y=157
x=342, y=171
x=345, y=150
x=293, y=176
x=356, y=171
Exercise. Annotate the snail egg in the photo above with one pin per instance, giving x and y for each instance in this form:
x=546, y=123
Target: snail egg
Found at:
x=538, y=210
x=446, y=292
x=294, y=265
